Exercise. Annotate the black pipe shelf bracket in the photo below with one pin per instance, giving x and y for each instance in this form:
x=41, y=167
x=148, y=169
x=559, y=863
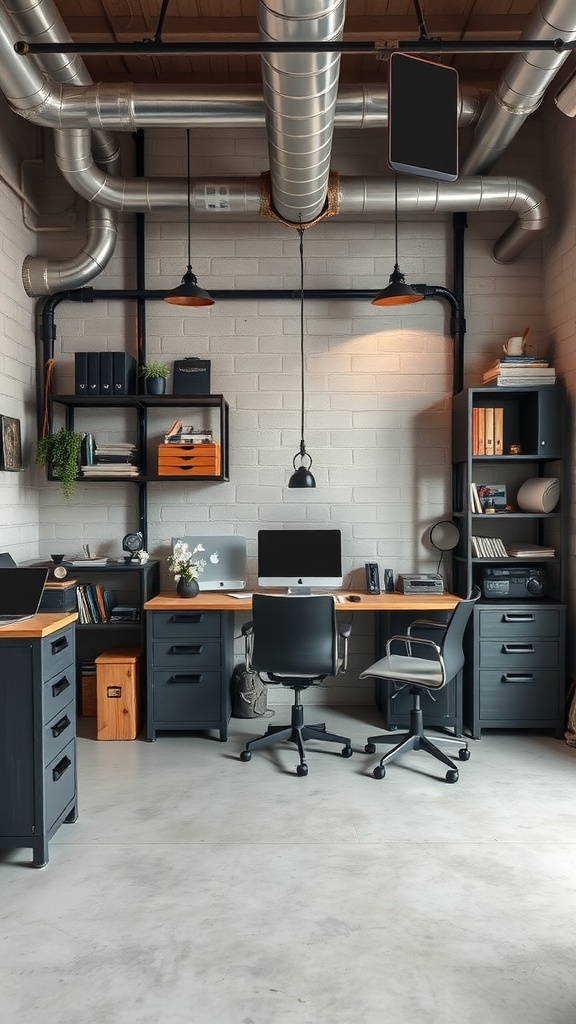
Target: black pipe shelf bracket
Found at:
x=89, y=295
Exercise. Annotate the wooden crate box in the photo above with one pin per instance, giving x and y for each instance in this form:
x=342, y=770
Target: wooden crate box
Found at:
x=117, y=697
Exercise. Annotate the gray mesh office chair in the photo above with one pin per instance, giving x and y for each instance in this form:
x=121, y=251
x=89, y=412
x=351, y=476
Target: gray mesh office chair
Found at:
x=427, y=657
x=294, y=641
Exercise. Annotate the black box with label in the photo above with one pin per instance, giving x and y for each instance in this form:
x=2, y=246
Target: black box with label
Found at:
x=191, y=376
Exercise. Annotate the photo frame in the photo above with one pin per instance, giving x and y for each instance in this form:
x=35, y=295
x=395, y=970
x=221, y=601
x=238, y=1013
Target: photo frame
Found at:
x=492, y=497
x=10, y=444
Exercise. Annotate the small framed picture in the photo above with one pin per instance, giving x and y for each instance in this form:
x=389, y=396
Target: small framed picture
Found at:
x=492, y=497
x=10, y=444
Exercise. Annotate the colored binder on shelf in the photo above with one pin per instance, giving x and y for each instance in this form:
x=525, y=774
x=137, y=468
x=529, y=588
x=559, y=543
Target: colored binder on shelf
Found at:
x=489, y=431
x=499, y=431
x=481, y=431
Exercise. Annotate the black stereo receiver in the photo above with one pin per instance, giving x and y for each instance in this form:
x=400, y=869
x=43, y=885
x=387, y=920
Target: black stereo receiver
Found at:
x=514, y=582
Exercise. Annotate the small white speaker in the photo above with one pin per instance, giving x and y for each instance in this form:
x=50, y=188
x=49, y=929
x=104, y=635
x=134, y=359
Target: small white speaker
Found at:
x=539, y=494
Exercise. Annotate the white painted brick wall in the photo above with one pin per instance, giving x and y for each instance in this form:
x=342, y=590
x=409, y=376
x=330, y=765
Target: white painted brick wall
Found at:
x=378, y=382
x=18, y=495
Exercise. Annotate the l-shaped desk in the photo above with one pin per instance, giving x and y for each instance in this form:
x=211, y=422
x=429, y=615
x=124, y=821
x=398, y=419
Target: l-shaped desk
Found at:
x=190, y=651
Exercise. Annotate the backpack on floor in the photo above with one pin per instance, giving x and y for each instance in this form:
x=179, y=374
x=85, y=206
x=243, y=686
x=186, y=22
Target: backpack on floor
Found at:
x=249, y=693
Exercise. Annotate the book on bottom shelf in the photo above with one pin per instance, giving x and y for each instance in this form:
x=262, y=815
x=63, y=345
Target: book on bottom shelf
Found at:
x=530, y=551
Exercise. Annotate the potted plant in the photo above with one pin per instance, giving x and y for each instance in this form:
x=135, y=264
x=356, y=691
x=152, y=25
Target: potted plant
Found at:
x=186, y=568
x=155, y=375
x=61, y=451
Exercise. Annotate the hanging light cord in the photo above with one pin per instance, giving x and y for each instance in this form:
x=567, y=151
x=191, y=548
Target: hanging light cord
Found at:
x=396, y=267
x=301, y=246
x=188, y=185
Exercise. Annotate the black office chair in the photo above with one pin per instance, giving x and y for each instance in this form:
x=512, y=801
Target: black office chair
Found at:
x=423, y=664
x=295, y=641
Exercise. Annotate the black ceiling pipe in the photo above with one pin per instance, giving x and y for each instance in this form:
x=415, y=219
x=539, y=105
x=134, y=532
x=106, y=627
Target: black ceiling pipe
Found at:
x=151, y=47
x=459, y=226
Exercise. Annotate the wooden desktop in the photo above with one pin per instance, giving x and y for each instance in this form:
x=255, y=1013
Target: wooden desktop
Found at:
x=222, y=602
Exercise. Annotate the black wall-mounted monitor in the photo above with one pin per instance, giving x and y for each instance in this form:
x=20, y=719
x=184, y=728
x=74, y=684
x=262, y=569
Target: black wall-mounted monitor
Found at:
x=422, y=117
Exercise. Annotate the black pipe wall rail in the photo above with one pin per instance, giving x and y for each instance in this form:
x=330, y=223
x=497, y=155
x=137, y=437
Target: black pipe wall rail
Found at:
x=152, y=47
x=48, y=325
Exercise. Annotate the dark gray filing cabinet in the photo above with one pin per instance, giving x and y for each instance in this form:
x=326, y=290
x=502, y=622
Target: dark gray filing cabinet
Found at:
x=517, y=656
x=37, y=739
x=442, y=709
x=189, y=666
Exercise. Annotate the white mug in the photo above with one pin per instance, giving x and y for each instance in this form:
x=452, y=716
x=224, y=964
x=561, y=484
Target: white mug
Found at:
x=514, y=346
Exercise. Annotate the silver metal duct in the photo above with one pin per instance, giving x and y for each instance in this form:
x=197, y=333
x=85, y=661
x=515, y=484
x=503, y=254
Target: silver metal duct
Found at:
x=40, y=21
x=34, y=95
x=358, y=197
x=300, y=92
x=522, y=86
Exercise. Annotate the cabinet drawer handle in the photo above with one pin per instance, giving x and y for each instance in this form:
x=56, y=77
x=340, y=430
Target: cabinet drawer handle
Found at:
x=186, y=649
x=59, y=645
x=517, y=677
x=188, y=617
x=60, y=686
x=60, y=726
x=518, y=617
x=60, y=768
x=518, y=648
x=187, y=677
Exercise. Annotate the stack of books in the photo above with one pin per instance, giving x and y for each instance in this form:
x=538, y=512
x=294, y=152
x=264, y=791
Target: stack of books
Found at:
x=94, y=603
x=520, y=372
x=179, y=434
x=488, y=547
x=117, y=459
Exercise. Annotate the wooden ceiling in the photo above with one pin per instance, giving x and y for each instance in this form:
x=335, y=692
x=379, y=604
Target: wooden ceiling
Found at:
x=130, y=21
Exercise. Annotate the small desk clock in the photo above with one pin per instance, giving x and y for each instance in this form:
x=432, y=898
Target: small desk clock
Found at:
x=134, y=543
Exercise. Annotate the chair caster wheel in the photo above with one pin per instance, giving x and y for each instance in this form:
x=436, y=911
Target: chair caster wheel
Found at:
x=379, y=771
x=452, y=776
x=246, y=755
x=347, y=752
x=464, y=754
x=302, y=770
x=370, y=748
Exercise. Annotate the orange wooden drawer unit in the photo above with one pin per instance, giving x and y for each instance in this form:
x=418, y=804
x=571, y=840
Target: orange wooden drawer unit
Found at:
x=189, y=460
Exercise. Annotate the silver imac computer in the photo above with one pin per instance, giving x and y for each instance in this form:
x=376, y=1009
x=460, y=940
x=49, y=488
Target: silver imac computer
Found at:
x=300, y=559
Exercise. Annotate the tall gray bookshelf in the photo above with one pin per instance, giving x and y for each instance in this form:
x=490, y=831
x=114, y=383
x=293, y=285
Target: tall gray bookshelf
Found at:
x=515, y=667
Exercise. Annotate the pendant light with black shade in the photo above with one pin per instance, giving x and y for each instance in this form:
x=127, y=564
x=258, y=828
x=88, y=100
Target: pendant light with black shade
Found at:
x=397, y=292
x=302, y=477
x=189, y=292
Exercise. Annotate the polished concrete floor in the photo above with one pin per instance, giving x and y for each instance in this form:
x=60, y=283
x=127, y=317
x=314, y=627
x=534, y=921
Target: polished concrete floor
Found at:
x=195, y=889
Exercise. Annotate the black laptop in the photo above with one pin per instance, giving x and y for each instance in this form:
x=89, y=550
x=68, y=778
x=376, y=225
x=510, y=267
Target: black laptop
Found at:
x=20, y=593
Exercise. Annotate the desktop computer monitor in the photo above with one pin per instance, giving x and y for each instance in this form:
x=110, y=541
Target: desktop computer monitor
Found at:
x=299, y=558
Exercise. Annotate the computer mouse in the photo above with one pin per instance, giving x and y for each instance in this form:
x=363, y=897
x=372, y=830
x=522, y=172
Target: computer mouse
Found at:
x=353, y=597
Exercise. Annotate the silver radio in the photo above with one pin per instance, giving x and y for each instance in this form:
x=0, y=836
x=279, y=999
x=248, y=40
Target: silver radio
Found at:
x=420, y=583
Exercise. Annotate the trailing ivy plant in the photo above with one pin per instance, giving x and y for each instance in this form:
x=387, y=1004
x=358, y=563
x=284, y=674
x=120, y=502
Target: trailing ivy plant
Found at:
x=62, y=451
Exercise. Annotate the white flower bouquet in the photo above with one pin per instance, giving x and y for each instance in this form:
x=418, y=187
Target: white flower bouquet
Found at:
x=183, y=562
